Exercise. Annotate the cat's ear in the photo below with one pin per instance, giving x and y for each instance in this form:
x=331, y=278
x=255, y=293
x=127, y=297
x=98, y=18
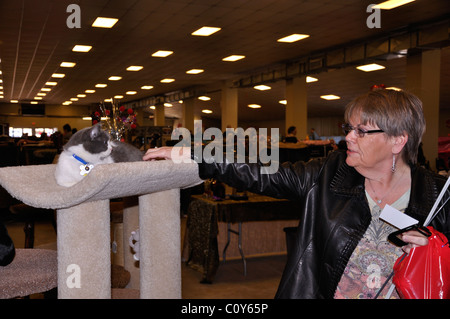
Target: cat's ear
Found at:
x=95, y=131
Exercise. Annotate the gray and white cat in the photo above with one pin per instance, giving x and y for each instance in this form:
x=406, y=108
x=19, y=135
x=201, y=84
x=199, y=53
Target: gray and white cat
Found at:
x=87, y=148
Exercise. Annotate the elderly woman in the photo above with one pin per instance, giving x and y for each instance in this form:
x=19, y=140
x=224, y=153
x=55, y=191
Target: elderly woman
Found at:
x=340, y=248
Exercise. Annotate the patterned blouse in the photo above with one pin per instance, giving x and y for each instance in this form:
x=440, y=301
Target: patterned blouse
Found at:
x=373, y=259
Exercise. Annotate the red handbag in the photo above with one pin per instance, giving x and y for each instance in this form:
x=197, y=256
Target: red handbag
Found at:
x=424, y=273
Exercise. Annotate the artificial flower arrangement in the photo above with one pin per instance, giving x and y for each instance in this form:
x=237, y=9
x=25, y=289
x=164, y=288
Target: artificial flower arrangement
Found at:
x=117, y=120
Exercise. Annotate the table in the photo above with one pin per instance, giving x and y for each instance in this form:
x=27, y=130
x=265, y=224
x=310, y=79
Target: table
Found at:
x=204, y=214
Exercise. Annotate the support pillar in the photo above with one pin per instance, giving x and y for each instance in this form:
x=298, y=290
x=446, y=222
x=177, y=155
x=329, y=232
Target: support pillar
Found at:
x=297, y=108
x=423, y=79
x=229, y=106
x=160, y=118
x=188, y=114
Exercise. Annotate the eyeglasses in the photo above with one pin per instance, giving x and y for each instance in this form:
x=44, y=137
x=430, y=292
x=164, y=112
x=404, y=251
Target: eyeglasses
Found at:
x=347, y=128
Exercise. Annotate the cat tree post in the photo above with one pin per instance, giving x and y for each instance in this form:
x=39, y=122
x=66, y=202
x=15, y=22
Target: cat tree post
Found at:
x=84, y=222
x=159, y=221
x=84, y=269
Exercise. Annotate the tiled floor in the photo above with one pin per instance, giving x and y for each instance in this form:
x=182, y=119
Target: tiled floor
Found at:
x=261, y=282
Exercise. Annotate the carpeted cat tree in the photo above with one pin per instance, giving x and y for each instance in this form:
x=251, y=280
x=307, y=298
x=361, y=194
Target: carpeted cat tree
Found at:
x=83, y=222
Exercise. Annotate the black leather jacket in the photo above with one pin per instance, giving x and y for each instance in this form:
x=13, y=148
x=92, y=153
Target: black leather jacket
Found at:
x=334, y=214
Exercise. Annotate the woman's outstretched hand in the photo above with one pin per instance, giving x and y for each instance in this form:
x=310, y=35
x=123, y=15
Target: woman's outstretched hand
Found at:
x=176, y=154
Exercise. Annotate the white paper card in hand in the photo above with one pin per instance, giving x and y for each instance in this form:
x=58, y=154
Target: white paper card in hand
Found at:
x=397, y=218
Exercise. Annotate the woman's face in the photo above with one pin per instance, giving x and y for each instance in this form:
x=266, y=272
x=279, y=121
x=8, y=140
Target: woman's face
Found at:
x=371, y=152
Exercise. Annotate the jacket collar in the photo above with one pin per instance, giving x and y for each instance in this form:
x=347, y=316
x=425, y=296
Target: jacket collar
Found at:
x=424, y=189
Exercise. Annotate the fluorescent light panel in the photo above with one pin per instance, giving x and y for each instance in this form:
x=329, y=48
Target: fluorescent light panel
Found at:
x=135, y=68
x=233, y=58
x=330, y=97
x=115, y=78
x=262, y=87
x=102, y=22
x=205, y=31
x=81, y=48
x=67, y=64
x=370, y=67
x=195, y=71
x=206, y=111
x=391, y=4
x=254, y=106
x=310, y=79
x=58, y=75
x=147, y=87
x=162, y=53
x=167, y=80
x=293, y=38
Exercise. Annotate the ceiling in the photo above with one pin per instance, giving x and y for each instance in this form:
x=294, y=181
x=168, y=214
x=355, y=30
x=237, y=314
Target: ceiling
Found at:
x=35, y=39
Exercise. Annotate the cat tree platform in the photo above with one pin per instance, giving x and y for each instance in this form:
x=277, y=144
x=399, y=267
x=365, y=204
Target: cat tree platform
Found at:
x=83, y=222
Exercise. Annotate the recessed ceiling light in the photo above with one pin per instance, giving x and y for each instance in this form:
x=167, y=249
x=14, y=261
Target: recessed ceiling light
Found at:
x=67, y=103
x=147, y=87
x=204, y=98
x=310, y=79
x=46, y=89
x=254, y=106
x=118, y=96
x=283, y=102
x=131, y=92
x=67, y=64
x=293, y=38
x=101, y=22
x=81, y=48
x=167, y=80
x=330, y=97
x=135, y=68
x=101, y=85
x=207, y=111
x=81, y=95
x=262, y=87
x=391, y=4
x=233, y=58
x=205, y=31
x=168, y=104
x=74, y=99
x=14, y=101
x=115, y=78
x=38, y=98
x=58, y=75
x=152, y=107
x=195, y=71
x=51, y=83
x=89, y=91
x=162, y=53
x=33, y=102
x=41, y=94
x=370, y=67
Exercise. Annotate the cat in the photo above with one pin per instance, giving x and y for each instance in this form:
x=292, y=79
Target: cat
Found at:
x=87, y=148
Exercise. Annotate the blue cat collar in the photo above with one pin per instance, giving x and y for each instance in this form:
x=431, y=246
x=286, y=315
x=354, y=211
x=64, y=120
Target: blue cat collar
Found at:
x=85, y=168
x=79, y=159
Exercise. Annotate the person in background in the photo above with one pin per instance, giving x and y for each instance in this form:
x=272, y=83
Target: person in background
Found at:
x=67, y=133
x=313, y=135
x=340, y=247
x=291, y=135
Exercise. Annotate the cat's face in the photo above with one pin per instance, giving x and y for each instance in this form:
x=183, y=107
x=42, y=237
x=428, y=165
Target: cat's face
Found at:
x=94, y=140
x=98, y=141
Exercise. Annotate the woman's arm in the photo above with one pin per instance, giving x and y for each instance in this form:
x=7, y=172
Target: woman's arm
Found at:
x=291, y=181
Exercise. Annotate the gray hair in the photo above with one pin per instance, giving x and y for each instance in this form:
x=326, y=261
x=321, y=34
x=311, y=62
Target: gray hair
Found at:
x=396, y=113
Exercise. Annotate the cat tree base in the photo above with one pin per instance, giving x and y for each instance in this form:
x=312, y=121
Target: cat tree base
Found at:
x=83, y=221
